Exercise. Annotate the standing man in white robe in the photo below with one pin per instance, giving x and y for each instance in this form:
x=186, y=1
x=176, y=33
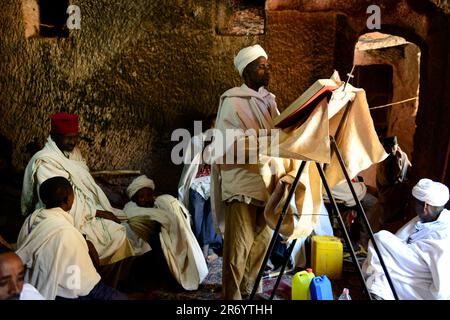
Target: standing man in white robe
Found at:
x=241, y=190
x=93, y=215
x=417, y=257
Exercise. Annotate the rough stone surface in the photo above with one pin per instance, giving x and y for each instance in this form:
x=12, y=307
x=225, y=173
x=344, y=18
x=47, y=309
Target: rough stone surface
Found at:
x=139, y=69
x=240, y=19
x=134, y=72
x=301, y=48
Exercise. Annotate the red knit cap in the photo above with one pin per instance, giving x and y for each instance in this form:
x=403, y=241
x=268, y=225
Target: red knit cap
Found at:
x=64, y=123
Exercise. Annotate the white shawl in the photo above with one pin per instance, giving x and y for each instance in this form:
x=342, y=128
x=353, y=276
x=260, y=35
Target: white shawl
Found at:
x=56, y=255
x=179, y=245
x=191, y=161
x=244, y=109
x=107, y=236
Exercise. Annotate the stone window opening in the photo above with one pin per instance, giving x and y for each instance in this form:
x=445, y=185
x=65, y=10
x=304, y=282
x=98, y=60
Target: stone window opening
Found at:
x=387, y=67
x=241, y=17
x=45, y=18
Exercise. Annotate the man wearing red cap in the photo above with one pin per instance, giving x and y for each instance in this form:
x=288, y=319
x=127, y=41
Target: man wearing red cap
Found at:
x=93, y=214
x=64, y=130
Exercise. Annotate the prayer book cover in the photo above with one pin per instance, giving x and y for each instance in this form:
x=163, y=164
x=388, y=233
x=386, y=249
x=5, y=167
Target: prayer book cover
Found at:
x=301, y=108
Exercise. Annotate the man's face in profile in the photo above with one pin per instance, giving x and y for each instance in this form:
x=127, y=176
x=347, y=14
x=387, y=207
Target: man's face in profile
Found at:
x=258, y=72
x=12, y=274
x=65, y=142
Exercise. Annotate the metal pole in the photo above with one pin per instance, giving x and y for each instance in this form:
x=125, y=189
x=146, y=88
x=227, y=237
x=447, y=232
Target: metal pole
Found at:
x=277, y=229
x=341, y=223
x=344, y=170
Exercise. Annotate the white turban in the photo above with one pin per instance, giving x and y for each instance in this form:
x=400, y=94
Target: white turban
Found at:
x=139, y=183
x=434, y=193
x=248, y=55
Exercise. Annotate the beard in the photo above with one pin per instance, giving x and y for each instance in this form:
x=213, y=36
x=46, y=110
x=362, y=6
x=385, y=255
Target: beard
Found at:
x=263, y=81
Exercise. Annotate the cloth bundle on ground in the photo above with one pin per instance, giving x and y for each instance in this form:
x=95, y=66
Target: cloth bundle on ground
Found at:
x=181, y=250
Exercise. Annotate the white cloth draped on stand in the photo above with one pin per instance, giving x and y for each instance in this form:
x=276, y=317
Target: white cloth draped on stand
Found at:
x=357, y=141
x=280, y=159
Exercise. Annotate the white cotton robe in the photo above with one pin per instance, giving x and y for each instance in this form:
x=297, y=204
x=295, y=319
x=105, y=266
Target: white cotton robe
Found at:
x=179, y=245
x=192, y=160
x=56, y=255
x=252, y=112
x=107, y=236
x=417, y=258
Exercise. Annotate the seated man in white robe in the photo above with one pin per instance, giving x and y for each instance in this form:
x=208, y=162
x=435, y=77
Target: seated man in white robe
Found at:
x=418, y=255
x=12, y=278
x=92, y=212
x=58, y=259
x=174, y=238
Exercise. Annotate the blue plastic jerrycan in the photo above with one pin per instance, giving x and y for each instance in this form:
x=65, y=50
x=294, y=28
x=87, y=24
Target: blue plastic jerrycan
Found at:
x=320, y=288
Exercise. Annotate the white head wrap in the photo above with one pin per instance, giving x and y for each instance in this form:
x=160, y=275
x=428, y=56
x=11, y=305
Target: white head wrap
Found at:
x=139, y=183
x=248, y=55
x=434, y=193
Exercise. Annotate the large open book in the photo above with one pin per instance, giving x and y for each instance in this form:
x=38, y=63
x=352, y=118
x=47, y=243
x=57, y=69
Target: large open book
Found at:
x=300, y=109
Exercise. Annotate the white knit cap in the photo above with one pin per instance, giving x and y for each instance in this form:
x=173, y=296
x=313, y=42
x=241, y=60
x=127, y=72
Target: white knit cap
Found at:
x=139, y=183
x=431, y=192
x=248, y=55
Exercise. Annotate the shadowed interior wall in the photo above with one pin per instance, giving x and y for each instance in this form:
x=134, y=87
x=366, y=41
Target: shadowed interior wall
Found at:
x=137, y=70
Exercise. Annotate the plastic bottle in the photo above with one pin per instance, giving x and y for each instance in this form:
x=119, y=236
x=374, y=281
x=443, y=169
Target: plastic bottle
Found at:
x=300, y=285
x=320, y=288
x=345, y=295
